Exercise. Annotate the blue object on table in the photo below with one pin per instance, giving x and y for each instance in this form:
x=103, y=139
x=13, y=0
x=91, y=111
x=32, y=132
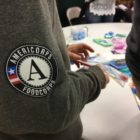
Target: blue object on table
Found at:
x=109, y=35
x=118, y=64
x=78, y=35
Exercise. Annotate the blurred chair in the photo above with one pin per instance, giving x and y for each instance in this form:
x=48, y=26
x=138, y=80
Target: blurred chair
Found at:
x=73, y=15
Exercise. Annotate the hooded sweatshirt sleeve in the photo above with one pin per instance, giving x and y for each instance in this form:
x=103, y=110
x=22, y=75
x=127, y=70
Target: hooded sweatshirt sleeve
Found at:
x=133, y=42
x=39, y=94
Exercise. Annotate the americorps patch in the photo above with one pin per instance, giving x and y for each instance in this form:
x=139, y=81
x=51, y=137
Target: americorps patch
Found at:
x=32, y=70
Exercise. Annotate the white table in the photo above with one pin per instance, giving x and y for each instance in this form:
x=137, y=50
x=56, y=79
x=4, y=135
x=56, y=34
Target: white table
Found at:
x=114, y=115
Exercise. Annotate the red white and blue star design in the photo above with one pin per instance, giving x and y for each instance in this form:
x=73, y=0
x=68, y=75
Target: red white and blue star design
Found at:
x=12, y=75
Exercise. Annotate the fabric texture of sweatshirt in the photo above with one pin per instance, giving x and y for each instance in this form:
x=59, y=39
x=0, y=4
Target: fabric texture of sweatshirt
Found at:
x=40, y=98
x=133, y=41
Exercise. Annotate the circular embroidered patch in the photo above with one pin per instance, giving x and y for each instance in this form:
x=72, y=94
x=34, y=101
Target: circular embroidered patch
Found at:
x=32, y=70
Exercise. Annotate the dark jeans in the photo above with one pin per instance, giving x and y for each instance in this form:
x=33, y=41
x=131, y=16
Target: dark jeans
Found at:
x=91, y=18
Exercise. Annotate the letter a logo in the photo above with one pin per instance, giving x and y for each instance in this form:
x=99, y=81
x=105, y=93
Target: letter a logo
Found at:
x=38, y=71
x=35, y=71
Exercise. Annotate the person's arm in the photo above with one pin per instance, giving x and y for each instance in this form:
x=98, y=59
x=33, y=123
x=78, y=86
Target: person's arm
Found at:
x=133, y=49
x=80, y=52
x=38, y=91
x=126, y=5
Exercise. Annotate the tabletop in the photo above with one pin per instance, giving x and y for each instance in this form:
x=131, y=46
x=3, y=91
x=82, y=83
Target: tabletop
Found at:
x=114, y=115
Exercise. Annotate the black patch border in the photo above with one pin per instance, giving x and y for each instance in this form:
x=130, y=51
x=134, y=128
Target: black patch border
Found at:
x=52, y=63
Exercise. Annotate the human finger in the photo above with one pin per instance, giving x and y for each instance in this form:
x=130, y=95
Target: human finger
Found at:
x=74, y=56
x=87, y=47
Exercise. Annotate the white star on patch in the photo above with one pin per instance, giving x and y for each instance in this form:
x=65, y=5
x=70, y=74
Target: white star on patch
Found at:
x=11, y=71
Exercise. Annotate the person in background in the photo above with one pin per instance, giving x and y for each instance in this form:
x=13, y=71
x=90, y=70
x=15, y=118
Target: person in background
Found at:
x=98, y=11
x=133, y=49
x=124, y=11
x=40, y=97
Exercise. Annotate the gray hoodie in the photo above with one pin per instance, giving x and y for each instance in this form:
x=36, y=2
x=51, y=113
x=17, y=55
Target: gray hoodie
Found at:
x=40, y=98
x=133, y=42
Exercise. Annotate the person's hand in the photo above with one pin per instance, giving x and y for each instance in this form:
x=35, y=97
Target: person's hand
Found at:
x=79, y=52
